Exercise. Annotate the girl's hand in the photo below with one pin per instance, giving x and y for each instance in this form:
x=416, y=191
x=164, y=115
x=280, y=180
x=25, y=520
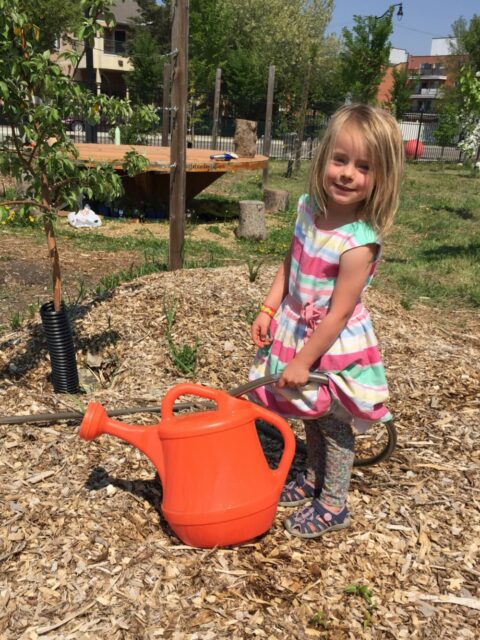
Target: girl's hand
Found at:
x=260, y=328
x=295, y=374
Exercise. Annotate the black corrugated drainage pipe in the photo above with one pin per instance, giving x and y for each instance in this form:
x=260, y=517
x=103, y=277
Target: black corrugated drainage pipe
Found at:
x=60, y=348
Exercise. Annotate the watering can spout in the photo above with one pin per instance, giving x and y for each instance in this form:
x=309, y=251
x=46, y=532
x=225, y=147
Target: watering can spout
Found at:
x=96, y=421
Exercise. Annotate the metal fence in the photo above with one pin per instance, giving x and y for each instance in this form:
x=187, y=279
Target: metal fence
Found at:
x=418, y=131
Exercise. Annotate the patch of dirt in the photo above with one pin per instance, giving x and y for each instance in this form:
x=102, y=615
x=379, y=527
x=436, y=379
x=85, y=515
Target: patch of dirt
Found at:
x=25, y=273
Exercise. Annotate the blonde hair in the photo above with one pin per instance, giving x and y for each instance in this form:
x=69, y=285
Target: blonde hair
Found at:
x=384, y=142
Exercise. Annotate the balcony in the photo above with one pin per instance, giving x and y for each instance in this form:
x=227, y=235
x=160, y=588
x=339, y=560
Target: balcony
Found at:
x=426, y=93
x=432, y=71
x=114, y=47
x=429, y=92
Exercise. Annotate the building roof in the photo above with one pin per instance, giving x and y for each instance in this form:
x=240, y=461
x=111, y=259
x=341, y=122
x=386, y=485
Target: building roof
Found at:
x=125, y=11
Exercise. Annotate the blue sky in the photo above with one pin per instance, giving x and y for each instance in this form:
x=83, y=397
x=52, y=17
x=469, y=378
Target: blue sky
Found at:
x=422, y=19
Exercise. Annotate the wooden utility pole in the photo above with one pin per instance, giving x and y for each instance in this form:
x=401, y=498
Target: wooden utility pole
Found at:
x=167, y=70
x=216, y=107
x=178, y=149
x=267, y=138
x=301, y=119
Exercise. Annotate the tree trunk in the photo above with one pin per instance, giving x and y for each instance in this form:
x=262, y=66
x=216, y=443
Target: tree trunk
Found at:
x=55, y=260
x=275, y=199
x=252, y=220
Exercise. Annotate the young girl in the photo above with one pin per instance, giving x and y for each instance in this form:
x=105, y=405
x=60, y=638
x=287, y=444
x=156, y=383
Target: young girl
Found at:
x=313, y=319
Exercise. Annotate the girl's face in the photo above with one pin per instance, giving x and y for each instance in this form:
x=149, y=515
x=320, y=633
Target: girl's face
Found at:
x=349, y=178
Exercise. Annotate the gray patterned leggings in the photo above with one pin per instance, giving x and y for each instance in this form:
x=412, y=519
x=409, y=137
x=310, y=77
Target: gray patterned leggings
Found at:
x=330, y=454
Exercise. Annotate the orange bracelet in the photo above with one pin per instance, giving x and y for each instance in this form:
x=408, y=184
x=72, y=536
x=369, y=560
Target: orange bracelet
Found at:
x=268, y=310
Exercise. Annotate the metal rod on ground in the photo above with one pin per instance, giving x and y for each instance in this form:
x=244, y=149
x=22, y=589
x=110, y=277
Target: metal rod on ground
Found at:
x=167, y=70
x=178, y=149
x=216, y=107
x=267, y=138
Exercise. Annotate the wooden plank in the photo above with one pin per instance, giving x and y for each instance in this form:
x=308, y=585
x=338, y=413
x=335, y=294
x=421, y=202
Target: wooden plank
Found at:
x=216, y=106
x=268, y=120
x=159, y=158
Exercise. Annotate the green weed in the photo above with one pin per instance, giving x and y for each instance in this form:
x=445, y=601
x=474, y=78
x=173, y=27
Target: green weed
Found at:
x=183, y=356
x=170, y=311
x=112, y=281
x=406, y=303
x=217, y=231
x=16, y=320
x=250, y=313
x=318, y=620
x=366, y=594
x=361, y=590
x=32, y=310
x=253, y=268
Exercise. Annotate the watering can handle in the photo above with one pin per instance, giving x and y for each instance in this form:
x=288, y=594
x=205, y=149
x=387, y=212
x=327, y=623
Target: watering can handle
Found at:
x=219, y=397
x=279, y=423
x=289, y=442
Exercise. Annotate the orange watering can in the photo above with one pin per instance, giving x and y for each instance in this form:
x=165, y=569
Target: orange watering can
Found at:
x=218, y=489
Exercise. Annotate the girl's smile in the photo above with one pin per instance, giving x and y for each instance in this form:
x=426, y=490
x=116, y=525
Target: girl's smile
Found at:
x=348, y=178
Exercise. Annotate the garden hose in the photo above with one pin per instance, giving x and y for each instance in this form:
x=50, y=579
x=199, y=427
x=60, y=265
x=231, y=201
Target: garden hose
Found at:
x=269, y=431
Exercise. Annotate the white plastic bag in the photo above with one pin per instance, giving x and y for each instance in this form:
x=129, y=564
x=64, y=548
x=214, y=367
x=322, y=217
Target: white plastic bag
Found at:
x=84, y=218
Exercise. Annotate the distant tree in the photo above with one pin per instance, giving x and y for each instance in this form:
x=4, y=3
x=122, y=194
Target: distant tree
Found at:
x=448, y=126
x=209, y=43
x=244, y=37
x=145, y=81
x=365, y=55
x=468, y=40
x=327, y=87
x=400, y=93
x=469, y=116
x=148, y=45
x=53, y=18
x=155, y=17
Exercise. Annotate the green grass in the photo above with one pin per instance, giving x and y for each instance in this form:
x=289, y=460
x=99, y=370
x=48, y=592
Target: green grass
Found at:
x=432, y=254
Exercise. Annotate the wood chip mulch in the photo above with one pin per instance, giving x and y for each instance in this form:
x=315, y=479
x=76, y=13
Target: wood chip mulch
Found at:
x=85, y=552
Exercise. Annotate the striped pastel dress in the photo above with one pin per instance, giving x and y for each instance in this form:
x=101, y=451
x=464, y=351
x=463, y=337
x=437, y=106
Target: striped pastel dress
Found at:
x=356, y=377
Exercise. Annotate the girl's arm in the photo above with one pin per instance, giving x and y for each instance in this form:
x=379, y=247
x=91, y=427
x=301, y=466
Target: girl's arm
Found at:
x=354, y=269
x=276, y=294
x=279, y=288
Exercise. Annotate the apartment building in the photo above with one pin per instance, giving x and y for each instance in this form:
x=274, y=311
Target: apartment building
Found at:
x=429, y=75
x=110, y=62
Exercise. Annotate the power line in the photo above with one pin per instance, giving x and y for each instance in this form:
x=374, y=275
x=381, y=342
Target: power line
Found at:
x=428, y=33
